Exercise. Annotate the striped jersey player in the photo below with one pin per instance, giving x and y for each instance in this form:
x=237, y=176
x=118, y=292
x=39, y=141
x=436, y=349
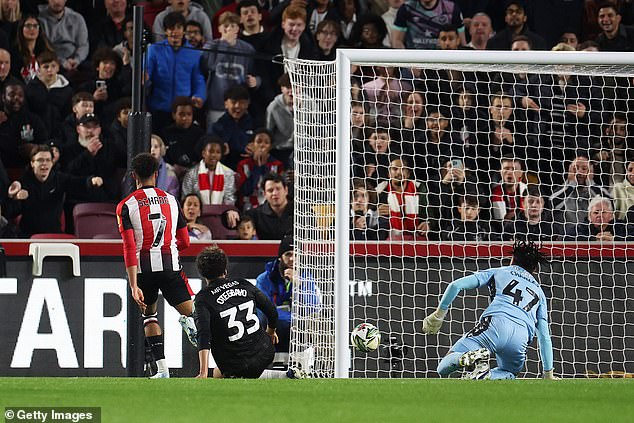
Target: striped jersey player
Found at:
x=154, y=231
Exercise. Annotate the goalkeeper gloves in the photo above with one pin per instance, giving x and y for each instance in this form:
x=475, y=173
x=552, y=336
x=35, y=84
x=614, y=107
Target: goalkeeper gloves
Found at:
x=548, y=374
x=433, y=322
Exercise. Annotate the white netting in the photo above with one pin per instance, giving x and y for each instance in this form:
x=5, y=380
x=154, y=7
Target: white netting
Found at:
x=447, y=160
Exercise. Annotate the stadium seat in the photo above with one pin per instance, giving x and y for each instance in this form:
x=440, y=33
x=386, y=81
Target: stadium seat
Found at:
x=40, y=251
x=53, y=236
x=211, y=217
x=92, y=219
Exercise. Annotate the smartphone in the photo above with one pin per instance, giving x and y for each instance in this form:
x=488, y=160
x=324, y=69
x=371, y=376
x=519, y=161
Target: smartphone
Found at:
x=101, y=84
x=456, y=163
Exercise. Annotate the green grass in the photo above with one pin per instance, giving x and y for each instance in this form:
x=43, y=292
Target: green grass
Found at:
x=330, y=401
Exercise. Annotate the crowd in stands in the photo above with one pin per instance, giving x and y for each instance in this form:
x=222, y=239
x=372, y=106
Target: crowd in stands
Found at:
x=437, y=154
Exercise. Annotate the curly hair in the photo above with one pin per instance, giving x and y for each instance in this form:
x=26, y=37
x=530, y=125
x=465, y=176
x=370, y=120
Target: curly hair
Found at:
x=526, y=255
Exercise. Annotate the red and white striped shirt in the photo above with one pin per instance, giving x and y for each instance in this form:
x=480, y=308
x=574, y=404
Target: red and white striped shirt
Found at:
x=153, y=230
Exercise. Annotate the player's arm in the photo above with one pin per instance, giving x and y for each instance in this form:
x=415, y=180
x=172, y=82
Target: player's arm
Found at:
x=182, y=235
x=543, y=337
x=433, y=322
x=202, y=318
x=129, y=253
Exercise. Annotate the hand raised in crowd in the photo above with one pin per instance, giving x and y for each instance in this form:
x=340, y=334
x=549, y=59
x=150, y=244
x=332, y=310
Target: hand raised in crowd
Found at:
x=100, y=94
x=454, y=174
x=94, y=145
x=71, y=64
x=383, y=209
x=15, y=191
x=423, y=228
x=578, y=109
x=290, y=274
x=96, y=181
x=529, y=103
x=3, y=117
x=198, y=102
x=605, y=236
x=233, y=217
x=504, y=134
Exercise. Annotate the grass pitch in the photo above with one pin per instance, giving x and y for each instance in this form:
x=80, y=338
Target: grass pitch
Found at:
x=330, y=401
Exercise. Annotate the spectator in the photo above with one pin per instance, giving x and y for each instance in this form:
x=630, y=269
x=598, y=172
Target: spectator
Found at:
x=389, y=17
x=124, y=48
x=166, y=178
x=82, y=103
x=623, y=193
x=214, y=182
x=588, y=45
x=368, y=32
x=383, y=94
x=274, y=218
x=110, y=29
x=515, y=19
x=5, y=68
x=189, y=11
x=94, y=153
x=39, y=195
x=236, y=125
x=119, y=128
x=534, y=221
x=10, y=15
x=279, y=120
x=403, y=201
x=67, y=32
x=50, y=94
x=228, y=62
x=415, y=26
x=570, y=38
x=20, y=129
x=194, y=34
x=320, y=12
x=614, y=36
x=480, y=31
x=182, y=136
x=192, y=209
x=413, y=121
x=507, y=196
x=327, y=36
x=469, y=226
x=246, y=229
x=599, y=225
x=277, y=282
x=358, y=123
x=345, y=13
x=252, y=170
x=173, y=71
x=373, y=163
x=107, y=88
x=365, y=222
x=570, y=203
x=30, y=42
x=610, y=150
x=252, y=30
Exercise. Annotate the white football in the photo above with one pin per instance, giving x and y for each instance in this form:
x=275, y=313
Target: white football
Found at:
x=365, y=337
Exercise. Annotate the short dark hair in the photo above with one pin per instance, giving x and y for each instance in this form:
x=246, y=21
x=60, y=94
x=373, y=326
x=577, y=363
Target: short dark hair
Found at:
x=526, y=255
x=46, y=57
x=284, y=81
x=237, y=92
x=522, y=38
x=262, y=131
x=207, y=139
x=82, y=96
x=449, y=28
x=248, y=3
x=608, y=4
x=197, y=24
x=123, y=103
x=105, y=54
x=38, y=148
x=174, y=19
x=144, y=165
x=274, y=177
x=181, y=101
x=469, y=200
x=246, y=219
x=211, y=262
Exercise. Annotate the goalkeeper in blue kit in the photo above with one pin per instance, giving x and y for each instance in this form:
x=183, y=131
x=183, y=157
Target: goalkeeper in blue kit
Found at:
x=517, y=311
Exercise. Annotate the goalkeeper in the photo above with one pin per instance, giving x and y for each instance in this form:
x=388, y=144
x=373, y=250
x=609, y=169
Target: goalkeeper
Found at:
x=518, y=309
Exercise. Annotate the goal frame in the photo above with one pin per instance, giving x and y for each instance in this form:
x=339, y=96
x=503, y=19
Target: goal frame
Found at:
x=344, y=59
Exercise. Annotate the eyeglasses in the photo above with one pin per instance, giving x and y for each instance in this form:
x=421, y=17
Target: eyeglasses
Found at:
x=514, y=11
x=31, y=26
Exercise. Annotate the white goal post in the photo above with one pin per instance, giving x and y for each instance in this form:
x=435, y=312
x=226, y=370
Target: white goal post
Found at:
x=394, y=281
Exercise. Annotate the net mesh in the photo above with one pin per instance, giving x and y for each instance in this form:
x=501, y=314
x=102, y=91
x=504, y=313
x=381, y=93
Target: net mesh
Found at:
x=449, y=160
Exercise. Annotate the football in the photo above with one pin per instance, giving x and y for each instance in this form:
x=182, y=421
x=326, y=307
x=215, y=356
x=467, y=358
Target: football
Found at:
x=365, y=337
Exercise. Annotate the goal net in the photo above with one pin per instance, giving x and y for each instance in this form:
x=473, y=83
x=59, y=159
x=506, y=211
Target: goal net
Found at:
x=412, y=170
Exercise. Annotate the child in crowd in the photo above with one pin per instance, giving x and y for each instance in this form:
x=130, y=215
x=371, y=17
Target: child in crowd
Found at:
x=181, y=137
x=246, y=229
x=469, y=227
x=82, y=104
x=279, y=120
x=166, y=179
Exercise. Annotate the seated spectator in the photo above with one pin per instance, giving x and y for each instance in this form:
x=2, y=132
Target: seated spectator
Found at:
x=358, y=123
x=413, y=120
x=414, y=29
x=507, y=196
x=50, y=94
x=383, y=94
x=614, y=35
x=166, y=178
x=227, y=62
x=515, y=18
x=194, y=34
x=192, y=209
x=190, y=11
x=570, y=38
x=327, y=38
x=599, y=225
x=20, y=129
x=246, y=229
x=109, y=29
x=368, y=32
x=252, y=170
x=388, y=17
x=235, y=127
x=5, y=69
x=119, y=128
x=609, y=151
x=10, y=14
x=274, y=218
x=214, y=182
x=468, y=227
x=106, y=87
x=373, y=163
x=623, y=193
x=82, y=104
x=30, y=42
x=365, y=222
x=570, y=202
x=534, y=221
x=279, y=120
x=403, y=201
x=480, y=31
x=39, y=195
x=66, y=30
x=182, y=136
x=124, y=48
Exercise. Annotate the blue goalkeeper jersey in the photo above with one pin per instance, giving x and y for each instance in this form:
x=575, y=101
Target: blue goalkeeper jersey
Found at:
x=515, y=294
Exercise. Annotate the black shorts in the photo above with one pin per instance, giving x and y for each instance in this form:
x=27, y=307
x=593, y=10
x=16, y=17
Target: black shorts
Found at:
x=173, y=285
x=252, y=367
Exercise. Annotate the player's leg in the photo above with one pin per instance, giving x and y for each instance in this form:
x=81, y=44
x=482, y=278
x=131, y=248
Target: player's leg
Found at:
x=465, y=353
x=178, y=294
x=216, y=373
x=511, y=355
x=154, y=337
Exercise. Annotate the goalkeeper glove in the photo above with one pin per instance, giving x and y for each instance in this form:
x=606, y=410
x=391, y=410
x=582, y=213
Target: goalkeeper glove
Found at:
x=548, y=374
x=433, y=322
